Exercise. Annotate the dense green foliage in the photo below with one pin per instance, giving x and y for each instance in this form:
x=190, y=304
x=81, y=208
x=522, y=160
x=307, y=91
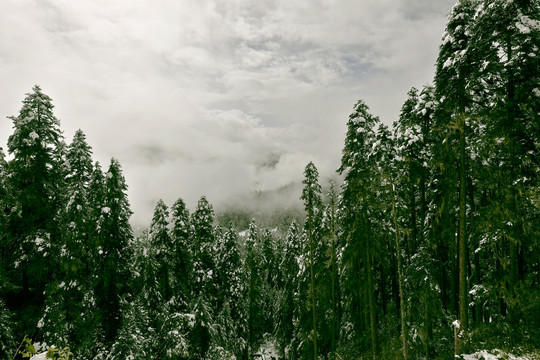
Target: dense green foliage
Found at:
x=435, y=225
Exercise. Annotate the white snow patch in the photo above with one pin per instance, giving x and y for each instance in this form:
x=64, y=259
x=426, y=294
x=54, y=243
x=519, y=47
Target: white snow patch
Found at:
x=267, y=351
x=42, y=356
x=33, y=135
x=447, y=63
x=522, y=28
x=493, y=355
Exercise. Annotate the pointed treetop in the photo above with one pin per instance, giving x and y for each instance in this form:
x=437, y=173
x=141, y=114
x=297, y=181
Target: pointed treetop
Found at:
x=311, y=193
x=359, y=137
x=79, y=157
x=35, y=126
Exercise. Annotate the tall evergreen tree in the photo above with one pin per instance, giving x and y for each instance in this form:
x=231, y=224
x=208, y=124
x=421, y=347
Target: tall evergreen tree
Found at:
x=114, y=251
x=232, y=319
x=289, y=299
x=182, y=262
x=253, y=287
x=32, y=176
x=162, y=247
x=311, y=195
x=65, y=297
x=453, y=85
x=203, y=249
x=357, y=165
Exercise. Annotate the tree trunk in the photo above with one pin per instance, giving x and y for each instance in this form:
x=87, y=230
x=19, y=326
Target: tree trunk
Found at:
x=333, y=328
x=371, y=301
x=312, y=292
x=462, y=246
x=400, y=281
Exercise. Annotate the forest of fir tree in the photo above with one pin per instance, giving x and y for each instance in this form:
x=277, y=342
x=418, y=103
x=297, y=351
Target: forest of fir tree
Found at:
x=428, y=247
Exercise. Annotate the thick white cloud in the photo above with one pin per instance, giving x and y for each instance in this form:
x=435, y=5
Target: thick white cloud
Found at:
x=215, y=97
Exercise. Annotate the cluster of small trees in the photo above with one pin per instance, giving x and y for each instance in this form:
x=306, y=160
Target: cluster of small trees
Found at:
x=435, y=227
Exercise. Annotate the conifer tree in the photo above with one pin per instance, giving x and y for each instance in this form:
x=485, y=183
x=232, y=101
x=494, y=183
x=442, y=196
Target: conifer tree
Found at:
x=268, y=279
x=203, y=249
x=409, y=165
x=357, y=191
x=182, y=261
x=331, y=263
x=32, y=177
x=253, y=287
x=311, y=194
x=232, y=318
x=288, y=301
x=453, y=82
x=162, y=248
x=75, y=250
x=114, y=251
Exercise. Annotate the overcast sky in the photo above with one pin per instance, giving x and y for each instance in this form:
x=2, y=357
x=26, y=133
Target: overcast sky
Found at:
x=217, y=97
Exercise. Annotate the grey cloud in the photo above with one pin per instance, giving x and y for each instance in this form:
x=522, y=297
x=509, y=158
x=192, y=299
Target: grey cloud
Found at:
x=418, y=10
x=215, y=97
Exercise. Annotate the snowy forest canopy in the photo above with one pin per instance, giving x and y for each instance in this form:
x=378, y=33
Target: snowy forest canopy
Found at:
x=434, y=231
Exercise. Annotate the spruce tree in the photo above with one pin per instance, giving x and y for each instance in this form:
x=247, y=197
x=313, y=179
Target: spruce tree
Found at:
x=253, y=287
x=453, y=85
x=31, y=172
x=357, y=165
x=182, y=261
x=288, y=301
x=114, y=251
x=311, y=195
x=231, y=320
x=203, y=249
x=162, y=248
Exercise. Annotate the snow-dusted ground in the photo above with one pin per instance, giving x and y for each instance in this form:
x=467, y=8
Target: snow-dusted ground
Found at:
x=496, y=355
x=42, y=356
x=267, y=351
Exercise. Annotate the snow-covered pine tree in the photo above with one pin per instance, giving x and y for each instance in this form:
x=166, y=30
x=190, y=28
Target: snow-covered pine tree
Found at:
x=311, y=195
x=182, y=262
x=453, y=80
x=288, y=300
x=253, y=288
x=161, y=247
x=203, y=247
x=32, y=177
x=269, y=274
x=114, y=251
x=360, y=172
x=204, y=250
x=329, y=259
x=74, y=254
x=231, y=320
x=96, y=203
